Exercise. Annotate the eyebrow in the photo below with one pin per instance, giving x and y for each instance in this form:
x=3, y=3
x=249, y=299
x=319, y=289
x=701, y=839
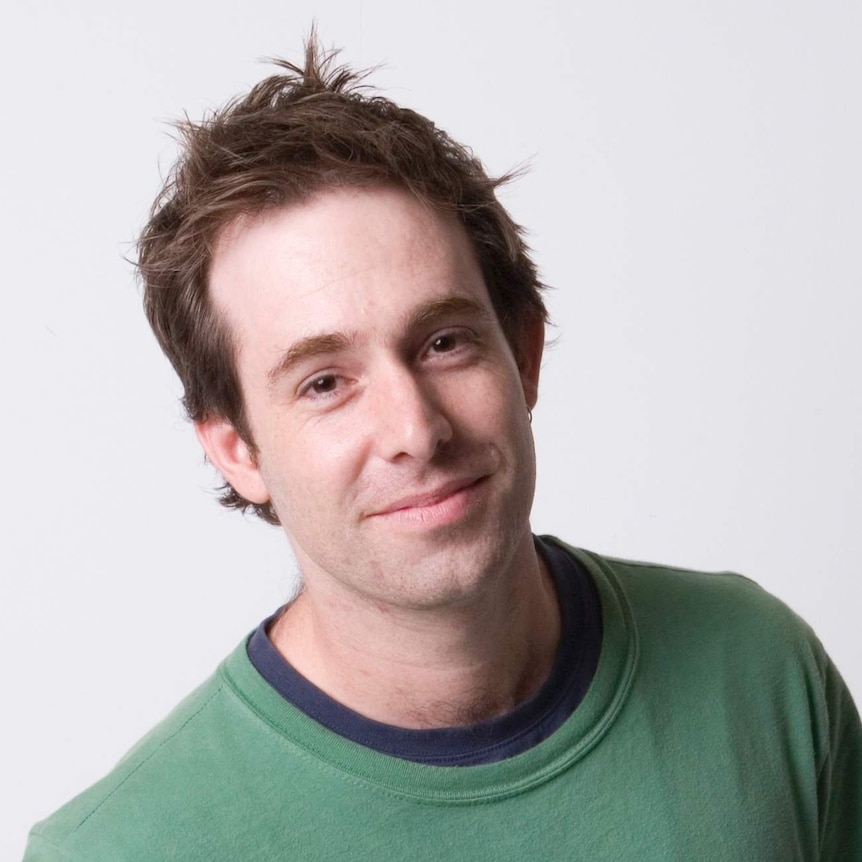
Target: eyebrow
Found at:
x=337, y=342
x=448, y=305
x=308, y=348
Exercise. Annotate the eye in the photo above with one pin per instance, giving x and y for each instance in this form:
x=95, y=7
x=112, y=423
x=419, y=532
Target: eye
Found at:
x=325, y=384
x=445, y=343
x=451, y=341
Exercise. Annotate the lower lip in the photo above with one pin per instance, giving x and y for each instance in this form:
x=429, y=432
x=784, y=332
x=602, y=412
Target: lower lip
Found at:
x=445, y=511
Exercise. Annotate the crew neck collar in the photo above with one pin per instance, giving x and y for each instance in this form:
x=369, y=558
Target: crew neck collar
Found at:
x=580, y=732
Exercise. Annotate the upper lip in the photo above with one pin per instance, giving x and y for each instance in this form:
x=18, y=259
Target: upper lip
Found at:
x=428, y=498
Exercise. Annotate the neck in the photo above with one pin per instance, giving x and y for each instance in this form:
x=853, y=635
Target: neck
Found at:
x=425, y=668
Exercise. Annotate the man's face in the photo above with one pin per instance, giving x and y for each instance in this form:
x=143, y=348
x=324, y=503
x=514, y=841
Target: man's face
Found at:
x=388, y=412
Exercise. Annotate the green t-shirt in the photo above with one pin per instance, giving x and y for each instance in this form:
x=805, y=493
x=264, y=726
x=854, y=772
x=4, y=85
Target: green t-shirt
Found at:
x=715, y=728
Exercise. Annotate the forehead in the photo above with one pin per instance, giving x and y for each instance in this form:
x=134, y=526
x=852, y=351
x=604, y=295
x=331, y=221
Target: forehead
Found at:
x=343, y=259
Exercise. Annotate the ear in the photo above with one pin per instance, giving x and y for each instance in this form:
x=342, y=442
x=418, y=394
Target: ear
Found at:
x=233, y=458
x=530, y=360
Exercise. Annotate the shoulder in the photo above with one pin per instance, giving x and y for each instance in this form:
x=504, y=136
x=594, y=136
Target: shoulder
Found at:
x=727, y=675
x=718, y=630
x=117, y=817
x=708, y=607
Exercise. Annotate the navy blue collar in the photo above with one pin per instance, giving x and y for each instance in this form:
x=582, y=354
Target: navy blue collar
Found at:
x=484, y=742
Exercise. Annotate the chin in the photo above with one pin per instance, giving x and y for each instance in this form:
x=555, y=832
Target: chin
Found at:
x=454, y=572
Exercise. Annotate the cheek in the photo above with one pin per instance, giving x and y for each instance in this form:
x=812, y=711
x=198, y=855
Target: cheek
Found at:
x=313, y=473
x=495, y=404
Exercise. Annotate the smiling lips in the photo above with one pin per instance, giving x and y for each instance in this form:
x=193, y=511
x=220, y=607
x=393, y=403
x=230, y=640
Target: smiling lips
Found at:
x=443, y=505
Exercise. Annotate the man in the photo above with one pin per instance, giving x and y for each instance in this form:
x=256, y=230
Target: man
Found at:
x=358, y=328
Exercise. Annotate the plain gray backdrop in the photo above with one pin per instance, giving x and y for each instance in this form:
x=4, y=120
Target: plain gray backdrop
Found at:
x=694, y=198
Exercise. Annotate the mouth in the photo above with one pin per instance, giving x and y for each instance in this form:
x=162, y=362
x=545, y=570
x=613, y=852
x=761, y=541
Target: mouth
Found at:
x=444, y=504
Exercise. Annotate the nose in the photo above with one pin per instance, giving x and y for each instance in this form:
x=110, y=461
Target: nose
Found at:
x=410, y=422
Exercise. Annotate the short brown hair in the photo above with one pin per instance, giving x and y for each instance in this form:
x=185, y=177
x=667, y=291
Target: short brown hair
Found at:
x=295, y=134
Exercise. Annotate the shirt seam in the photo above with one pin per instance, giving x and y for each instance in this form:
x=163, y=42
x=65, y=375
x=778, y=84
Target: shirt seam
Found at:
x=152, y=754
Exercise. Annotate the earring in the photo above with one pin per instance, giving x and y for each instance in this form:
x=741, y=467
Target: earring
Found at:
x=529, y=416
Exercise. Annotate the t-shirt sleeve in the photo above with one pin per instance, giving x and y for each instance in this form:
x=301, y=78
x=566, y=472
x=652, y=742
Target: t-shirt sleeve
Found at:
x=40, y=849
x=840, y=779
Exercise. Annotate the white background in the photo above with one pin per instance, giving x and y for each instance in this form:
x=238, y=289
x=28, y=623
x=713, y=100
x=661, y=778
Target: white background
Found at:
x=694, y=198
